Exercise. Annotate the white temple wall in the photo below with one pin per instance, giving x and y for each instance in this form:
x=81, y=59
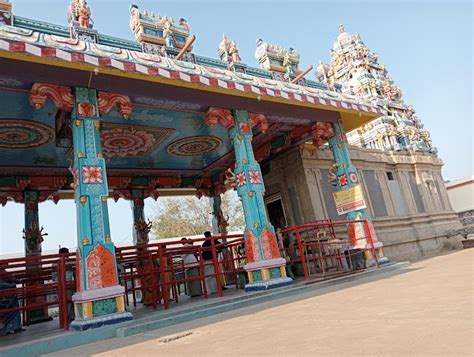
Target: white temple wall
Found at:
x=404, y=193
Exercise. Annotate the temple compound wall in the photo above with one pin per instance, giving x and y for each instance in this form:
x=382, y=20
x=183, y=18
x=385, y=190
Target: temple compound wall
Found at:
x=404, y=191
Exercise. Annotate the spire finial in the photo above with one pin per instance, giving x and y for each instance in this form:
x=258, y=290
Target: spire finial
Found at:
x=341, y=28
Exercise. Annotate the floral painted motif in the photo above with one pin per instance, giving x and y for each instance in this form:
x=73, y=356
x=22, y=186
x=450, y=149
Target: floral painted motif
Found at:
x=353, y=177
x=101, y=271
x=241, y=179
x=255, y=177
x=342, y=180
x=194, y=146
x=251, y=247
x=23, y=134
x=92, y=174
x=244, y=127
x=269, y=245
x=86, y=110
x=131, y=140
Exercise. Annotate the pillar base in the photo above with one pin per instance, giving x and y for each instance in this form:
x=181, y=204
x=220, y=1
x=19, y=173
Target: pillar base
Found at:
x=82, y=325
x=268, y=284
x=99, y=307
x=267, y=274
x=381, y=259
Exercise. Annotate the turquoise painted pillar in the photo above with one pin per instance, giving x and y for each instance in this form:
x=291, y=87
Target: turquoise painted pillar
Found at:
x=348, y=179
x=99, y=300
x=265, y=266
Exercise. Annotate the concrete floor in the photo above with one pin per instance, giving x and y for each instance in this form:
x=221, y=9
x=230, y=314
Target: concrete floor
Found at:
x=424, y=311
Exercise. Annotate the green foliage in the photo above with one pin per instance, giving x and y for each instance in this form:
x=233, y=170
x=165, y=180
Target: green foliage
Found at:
x=188, y=216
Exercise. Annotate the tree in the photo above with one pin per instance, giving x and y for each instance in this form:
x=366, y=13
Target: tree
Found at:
x=188, y=216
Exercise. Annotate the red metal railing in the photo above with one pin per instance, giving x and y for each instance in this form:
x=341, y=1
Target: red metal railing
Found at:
x=166, y=269
x=158, y=271
x=319, y=249
x=41, y=282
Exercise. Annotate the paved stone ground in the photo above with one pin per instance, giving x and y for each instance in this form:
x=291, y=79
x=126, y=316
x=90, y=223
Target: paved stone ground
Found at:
x=424, y=311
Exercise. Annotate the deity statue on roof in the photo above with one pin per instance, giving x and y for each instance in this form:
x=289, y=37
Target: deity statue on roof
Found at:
x=168, y=34
x=6, y=17
x=184, y=24
x=288, y=62
x=79, y=13
x=234, y=53
x=134, y=17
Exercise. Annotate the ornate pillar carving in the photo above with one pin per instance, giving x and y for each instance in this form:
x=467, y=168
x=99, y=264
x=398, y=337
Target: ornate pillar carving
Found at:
x=33, y=236
x=219, y=221
x=99, y=300
x=265, y=266
x=347, y=178
x=141, y=228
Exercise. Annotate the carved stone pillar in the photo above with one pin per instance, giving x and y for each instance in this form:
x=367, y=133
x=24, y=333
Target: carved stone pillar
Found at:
x=33, y=235
x=138, y=209
x=99, y=300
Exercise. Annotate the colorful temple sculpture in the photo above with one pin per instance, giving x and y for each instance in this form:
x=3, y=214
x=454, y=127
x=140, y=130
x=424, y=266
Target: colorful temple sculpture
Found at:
x=355, y=71
x=229, y=53
x=80, y=21
x=91, y=117
x=161, y=35
x=281, y=62
x=6, y=16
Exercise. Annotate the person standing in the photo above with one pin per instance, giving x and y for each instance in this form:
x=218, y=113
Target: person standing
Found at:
x=191, y=269
x=209, y=270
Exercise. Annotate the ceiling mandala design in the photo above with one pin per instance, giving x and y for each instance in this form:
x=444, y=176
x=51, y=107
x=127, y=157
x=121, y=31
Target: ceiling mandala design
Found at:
x=24, y=134
x=194, y=146
x=131, y=140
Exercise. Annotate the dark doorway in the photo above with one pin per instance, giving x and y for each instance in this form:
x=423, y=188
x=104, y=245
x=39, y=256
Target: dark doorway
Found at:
x=276, y=214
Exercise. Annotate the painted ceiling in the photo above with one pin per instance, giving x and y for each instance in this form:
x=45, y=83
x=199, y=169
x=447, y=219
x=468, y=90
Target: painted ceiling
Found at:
x=152, y=138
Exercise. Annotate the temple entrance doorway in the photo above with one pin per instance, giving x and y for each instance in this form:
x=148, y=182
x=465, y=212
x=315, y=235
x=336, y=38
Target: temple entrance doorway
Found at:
x=275, y=211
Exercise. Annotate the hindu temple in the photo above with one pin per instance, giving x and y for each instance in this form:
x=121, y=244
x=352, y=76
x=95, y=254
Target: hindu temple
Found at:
x=87, y=116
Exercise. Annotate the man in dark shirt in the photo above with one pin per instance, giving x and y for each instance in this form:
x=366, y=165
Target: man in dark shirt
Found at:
x=207, y=252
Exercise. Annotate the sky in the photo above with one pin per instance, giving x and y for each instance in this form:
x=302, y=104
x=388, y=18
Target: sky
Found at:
x=425, y=45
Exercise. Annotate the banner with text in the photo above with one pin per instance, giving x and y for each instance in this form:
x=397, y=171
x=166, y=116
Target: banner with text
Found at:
x=349, y=199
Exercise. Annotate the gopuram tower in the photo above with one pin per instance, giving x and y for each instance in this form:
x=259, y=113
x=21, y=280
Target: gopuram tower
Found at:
x=355, y=71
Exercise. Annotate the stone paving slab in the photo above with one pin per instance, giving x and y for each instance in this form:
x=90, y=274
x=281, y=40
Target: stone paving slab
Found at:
x=425, y=310
x=166, y=318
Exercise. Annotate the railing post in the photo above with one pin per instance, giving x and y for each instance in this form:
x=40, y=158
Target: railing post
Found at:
x=163, y=278
x=202, y=273
x=62, y=293
x=302, y=254
x=216, y=266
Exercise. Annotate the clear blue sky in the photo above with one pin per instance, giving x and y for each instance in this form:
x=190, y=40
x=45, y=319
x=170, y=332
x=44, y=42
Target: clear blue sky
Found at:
x=425, y=45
